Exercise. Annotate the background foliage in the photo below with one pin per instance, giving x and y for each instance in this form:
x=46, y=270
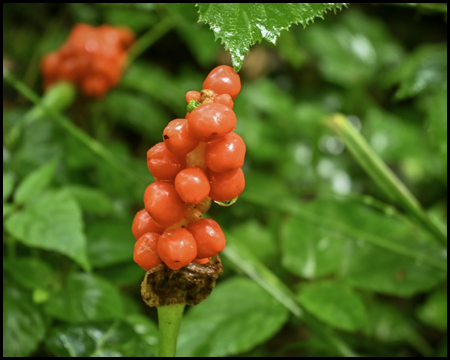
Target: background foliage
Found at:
x=320, y=261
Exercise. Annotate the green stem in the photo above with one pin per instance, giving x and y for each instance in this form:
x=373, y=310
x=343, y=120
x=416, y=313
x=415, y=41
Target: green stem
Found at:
x=169, y=319
x=63, y=121
x=149, y=38
x=382, y=175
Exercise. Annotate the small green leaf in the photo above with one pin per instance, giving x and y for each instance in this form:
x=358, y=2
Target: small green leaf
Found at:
x=241, y=25
x=52, y=222
x=85, y=298
x=35, y=183
x=434, y=311
x=335, y=304
x=8, y=184
x=110, y=242
x=237, y=316
x=23, y=325
x=7, y=208
x=29, y=272
x=137, y=336
x=91, y=200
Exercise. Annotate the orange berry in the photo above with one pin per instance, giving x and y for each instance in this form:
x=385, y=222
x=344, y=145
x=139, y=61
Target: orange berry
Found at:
x=192, y=185
x=143, y=223
x=209, y=237
x=145, y=251
x=226, y=185
x=177, y=248
x=164, y=164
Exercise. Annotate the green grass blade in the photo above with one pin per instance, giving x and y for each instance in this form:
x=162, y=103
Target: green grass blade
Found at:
x=381, y=174
x=292, y=208
x=252, y=267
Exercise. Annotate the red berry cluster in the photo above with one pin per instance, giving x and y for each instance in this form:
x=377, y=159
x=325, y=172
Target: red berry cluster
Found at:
x=93, y=58
x=199, y=160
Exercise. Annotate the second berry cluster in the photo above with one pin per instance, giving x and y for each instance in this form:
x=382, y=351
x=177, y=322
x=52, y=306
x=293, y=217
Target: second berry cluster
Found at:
x=199, y=160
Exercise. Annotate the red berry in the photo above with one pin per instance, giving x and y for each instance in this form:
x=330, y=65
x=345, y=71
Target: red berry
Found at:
x=202, y=261
x=209, y=237
x=163, y=204
x=226, y=185
x=143, y=223
x=211, y=121
x=192, y=185
x=177, y=248
x=225, y=154
x=162, y=163
x=192, y=95
x=178, y=139
x=224, y=99
x=145, y=251
x=223, y=80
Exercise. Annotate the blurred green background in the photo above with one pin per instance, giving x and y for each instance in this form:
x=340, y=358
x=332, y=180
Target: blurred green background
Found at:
x=306, y=226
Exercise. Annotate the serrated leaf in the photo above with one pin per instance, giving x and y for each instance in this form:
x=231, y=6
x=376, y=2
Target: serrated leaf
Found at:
x=237, y=316
x=137, y=336
x=241, y=25
x=335, y=304
x=23, y=325
x=29, y=272
x=35, y=183
x=110, y=242
x=91, y=200
x=85, y=297
x=52, y=222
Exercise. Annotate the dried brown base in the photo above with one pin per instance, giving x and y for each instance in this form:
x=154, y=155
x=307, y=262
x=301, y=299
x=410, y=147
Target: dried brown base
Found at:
x=191, y=284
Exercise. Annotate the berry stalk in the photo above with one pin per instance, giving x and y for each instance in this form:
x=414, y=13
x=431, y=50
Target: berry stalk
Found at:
x=169, y=319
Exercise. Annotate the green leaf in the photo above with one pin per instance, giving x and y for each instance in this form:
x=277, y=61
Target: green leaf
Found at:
x=91, y=200
x=237, y=316
x=110, y=242
x=23, y=325
x=424, y=71
x=36, y=182
x=382, y=174
x=389, y=325
x=52, y=222
x=7, y=208
x=85, y=297
x=241, y=25
x=137, y=336
x=31, y=273
x=434, y=311
x=310, y=251
x=372, y=268
x=8, y=184
x=335, y=304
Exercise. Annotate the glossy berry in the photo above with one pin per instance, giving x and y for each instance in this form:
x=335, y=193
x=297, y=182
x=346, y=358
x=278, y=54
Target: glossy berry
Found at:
x=145, y=251
x=192, y=185
x=178, y=139
x=223, y=80
x=227, y=185
x=225, y=154
x=164, y=164
x=177, y=248
x=192, y=95
x=163, y=204
x=202, y=261
x=211, y=121
x=143, y=223
x=224, y=99
x=209, y=237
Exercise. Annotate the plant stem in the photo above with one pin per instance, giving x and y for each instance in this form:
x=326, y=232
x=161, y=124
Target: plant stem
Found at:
x=169, y=319
x=381, y=174
x=63, y=121
x=149, y=38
